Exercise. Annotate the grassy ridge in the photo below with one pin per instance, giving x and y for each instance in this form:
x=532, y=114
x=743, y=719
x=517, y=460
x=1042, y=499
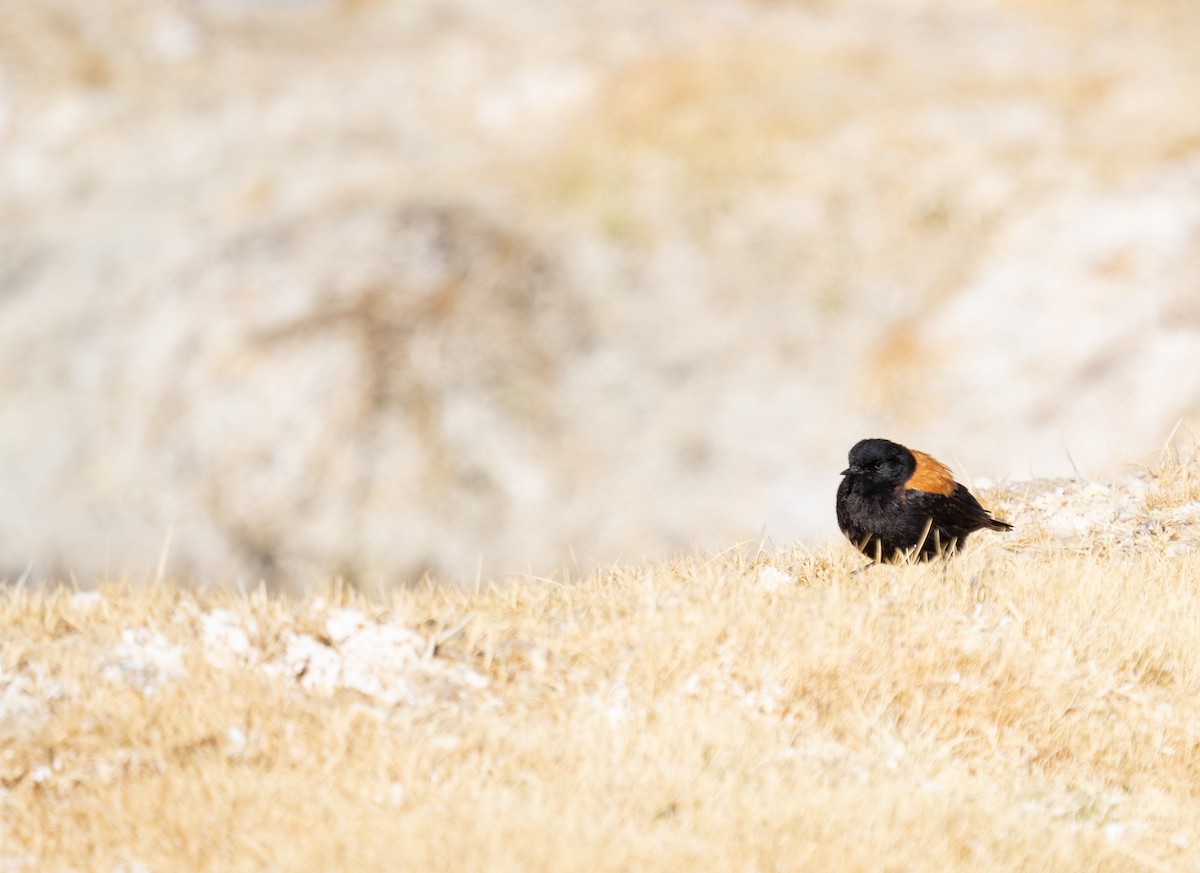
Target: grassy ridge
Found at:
x=1022, y=707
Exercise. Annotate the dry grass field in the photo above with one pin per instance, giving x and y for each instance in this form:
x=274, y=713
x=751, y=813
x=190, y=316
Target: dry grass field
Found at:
x=403, y=292
x=1031, y=705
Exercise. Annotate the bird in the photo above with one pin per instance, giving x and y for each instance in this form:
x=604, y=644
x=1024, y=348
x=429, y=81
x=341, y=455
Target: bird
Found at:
x=894, y=502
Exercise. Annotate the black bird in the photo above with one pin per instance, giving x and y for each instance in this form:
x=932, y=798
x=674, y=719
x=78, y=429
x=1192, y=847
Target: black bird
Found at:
x=893, y=500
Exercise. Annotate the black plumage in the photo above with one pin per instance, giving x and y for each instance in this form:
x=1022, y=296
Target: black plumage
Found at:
x=893, y=500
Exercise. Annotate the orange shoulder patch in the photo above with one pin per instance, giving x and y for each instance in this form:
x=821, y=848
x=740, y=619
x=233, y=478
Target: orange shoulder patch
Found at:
x=931, y=475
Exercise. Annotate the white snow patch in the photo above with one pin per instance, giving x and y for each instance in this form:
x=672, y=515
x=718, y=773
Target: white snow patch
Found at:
x=143, y=660
x=773, y=579
x=388, y=662
x=225, y=638
x=85, y=601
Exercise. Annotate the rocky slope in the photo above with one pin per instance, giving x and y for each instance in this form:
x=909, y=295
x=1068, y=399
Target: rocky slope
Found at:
x=380, y=289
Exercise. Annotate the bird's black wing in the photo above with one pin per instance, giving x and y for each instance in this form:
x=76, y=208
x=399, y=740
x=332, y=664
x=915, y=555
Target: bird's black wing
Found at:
x=952, y=516
x=970, y=514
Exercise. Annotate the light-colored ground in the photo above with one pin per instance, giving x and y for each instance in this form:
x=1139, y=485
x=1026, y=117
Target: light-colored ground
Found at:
x=1032, y=705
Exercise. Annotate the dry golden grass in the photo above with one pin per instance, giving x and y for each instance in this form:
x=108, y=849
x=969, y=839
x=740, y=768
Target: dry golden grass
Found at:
x=1021, y=707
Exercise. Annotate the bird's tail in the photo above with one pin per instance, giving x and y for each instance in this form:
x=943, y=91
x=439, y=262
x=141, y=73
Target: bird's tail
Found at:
x=996, y=524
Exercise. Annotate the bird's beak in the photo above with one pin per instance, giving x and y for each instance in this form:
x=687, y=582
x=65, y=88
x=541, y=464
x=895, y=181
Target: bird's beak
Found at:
x=852, y=469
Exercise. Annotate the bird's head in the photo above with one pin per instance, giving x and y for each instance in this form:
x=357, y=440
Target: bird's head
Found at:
x=879, y=465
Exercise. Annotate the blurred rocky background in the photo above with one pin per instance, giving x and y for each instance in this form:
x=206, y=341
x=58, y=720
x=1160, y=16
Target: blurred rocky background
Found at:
x=464, y=287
